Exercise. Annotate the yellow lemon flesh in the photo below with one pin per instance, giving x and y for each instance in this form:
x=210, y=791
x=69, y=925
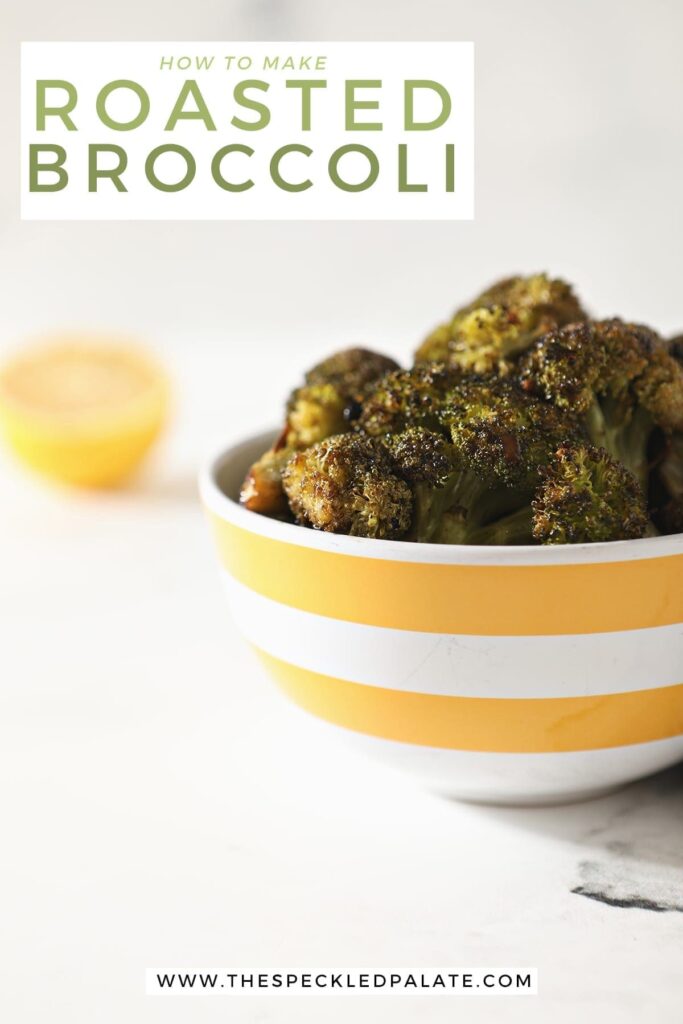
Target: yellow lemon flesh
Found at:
x=82, y=411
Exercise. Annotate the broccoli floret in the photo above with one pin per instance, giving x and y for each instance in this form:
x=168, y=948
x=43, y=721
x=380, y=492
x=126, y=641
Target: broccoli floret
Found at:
x=619, y=377
x=324, y=405
x=552, y=299
x=441, y=489
x=585, y=496
x=499, y=428
x=485, y=462
x=452, y=493
x=314, y=412
x=347, y=484
x=351, y=371
x=262, y=487
x=487, y=335
x=659, y=390
x=420, y=456
x=330, y=399
x=407, y=398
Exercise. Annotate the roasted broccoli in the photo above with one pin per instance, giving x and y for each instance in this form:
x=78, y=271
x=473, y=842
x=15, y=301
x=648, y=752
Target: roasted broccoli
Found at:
x=522, y=422
x=412, y=484
x=407, y=398
x=347, y=484
x=587, y=496
x=262, y=486
x=420, y=456
x=351, y=371
x=324, y=405
x=497, y=438
x=619, y=377
x=314, y=412
x=470, y=446
x=331, y=397
x=487, y=335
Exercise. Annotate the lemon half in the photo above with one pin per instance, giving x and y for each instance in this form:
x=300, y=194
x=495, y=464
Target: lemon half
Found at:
x=81, y=410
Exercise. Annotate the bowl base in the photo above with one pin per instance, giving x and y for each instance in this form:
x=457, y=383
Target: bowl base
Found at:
x=574, y=796
x=518, y=780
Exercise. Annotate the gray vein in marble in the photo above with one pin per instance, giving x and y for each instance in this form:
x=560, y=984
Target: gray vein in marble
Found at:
x=638, y=860
x=633, y=902
x=630, y=843
x=617, y=883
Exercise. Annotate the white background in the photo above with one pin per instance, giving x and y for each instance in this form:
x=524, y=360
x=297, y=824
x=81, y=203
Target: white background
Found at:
x=160, y=804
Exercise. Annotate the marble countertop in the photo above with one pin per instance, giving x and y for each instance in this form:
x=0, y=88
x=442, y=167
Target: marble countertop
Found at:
x=164, y=806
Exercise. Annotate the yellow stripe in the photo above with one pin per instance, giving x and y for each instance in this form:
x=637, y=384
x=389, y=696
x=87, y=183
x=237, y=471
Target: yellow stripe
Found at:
x=485, y=600
x=531, y=726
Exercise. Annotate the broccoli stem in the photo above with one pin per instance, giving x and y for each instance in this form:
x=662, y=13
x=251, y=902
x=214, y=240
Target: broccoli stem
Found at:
x=622, y=432
x=453, y=513
x=515, y=528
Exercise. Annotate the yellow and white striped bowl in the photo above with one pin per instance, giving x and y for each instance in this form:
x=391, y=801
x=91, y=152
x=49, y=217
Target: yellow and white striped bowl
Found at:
x=518, y=674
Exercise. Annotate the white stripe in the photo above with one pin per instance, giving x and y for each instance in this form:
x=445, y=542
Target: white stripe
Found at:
x=466, y=666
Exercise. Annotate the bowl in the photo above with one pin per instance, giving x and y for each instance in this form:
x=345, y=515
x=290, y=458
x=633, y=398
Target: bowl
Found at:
x=514, y=675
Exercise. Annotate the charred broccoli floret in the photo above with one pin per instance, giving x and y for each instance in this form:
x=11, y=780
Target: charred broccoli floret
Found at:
x=587, y=496
x=347, y=484
x=619, y=377
x=262, y=486
x=324, y=405
x=584, y=496
x=314, y=412
x=552, y=299
x=420, y=456
x=495, y=425
x=407, y=398
x=488, y=334
x=659, y=390
x=497, y=439
x=351, y=371
x=330, y=398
